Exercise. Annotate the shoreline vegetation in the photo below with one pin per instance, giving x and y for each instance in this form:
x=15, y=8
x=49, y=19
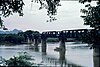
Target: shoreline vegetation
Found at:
x=28, y=37
x=18, y=38
x=49, y=40
x=23, y=59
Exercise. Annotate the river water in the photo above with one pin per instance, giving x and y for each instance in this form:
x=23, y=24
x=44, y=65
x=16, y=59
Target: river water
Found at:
x=76, y=55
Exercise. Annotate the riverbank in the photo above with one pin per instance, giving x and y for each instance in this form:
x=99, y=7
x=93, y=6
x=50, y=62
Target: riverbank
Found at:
x=49, y=40
x=6, y=43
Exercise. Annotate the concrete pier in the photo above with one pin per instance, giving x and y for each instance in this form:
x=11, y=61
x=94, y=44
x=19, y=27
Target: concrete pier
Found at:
x=44, y=45
x=36, y=42
x=62, y=59
x=96, y=57
x=62, y=44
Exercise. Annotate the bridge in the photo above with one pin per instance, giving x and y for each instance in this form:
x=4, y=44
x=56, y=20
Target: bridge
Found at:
x=78, y=33
x=61, y=35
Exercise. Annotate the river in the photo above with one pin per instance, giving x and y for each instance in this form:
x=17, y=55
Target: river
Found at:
x=76, y=55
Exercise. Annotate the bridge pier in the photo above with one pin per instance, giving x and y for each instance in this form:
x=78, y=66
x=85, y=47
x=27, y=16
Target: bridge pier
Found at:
x=96, y=57
x=62, y=44
x=36, y=42
x=62, y=41
x=62, y=59
x=36, y=45
x=44, y=45
x=29, y=41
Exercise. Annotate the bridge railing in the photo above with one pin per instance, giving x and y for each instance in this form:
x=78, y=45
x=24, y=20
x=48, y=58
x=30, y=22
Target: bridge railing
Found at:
x=78, y=33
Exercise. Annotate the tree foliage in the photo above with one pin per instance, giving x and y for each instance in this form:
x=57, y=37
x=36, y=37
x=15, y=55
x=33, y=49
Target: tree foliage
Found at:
x=92, y=15
x=19, y=38
x=51, y=6
x=22, y=60
x=8, y=7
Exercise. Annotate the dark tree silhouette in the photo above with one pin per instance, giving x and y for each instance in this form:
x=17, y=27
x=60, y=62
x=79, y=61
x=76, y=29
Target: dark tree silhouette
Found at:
x=51, y=6
x=8, y=7
x=29, y=34
x=91, y=17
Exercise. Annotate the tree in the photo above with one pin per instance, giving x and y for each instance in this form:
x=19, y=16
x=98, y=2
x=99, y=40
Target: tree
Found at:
x=92, y=17
x=2, y=25
x=13, y=38
x=51, y=6
x=29, y=34
x=24, y=59
x=8, y=7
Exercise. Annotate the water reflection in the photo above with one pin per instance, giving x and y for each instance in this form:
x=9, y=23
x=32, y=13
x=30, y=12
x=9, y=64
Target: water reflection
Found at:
x=96, y=60
x=50, y=60
x=44, y=46
x=32, y=47
x=62, y=52
x=36, y=48
x=63, y=58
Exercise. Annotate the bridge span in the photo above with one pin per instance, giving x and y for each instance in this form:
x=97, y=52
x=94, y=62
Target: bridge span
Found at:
x=61, y=35
x=65, y=33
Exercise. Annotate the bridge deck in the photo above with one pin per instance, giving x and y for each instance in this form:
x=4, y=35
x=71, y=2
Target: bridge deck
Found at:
x=78, y=33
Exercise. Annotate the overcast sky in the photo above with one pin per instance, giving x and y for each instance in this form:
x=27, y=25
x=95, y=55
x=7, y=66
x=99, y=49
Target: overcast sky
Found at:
x=68, y=17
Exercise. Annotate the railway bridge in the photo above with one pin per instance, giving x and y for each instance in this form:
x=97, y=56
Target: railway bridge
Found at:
x=77, y=34
x=61, y=35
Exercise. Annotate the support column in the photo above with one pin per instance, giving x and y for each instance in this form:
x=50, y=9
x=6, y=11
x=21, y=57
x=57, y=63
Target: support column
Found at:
x=62, y=41
x=44, y=45
x=96, y=46
x=62, y=50
x=62, y=59
x=36, y=45
x=35, y=42
x=62, y=44
x=96, y=57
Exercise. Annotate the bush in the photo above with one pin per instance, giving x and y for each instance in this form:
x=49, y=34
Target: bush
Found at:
x=22, y=60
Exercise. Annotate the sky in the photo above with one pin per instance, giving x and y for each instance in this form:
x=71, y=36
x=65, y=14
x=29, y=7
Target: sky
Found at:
x=68, y=17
